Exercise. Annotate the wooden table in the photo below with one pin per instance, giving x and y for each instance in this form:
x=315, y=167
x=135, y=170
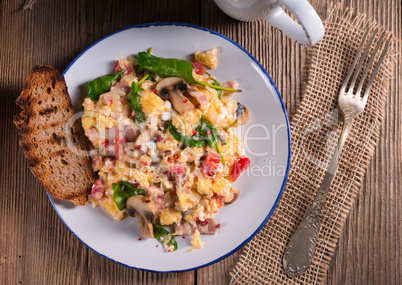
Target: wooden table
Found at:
x=37, y=248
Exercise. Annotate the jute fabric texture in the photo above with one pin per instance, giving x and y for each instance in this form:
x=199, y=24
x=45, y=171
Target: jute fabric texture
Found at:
x=315, y=131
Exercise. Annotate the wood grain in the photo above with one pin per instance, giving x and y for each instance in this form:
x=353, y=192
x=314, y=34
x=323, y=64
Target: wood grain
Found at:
x=36, y=247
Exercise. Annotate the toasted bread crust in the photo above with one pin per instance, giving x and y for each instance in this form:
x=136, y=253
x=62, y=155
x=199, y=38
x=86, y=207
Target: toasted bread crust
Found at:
x=45, y=136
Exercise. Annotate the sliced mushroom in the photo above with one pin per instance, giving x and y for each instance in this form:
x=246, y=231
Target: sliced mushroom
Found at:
x=171, y=89
x=144, y=209
x=166, y=85
x=242, y=114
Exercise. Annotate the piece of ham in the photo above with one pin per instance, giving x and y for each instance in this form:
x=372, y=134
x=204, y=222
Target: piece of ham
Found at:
x=180, y=178
x=108, y=135
x=130, y=133
x=92, y=134
x=233, y=84
x=98, y=190
x=121, y=87
x=96, y=161
x=204, y=227
x=110, y=96
x=198, y=97
x=123, y=64
x=157, y=196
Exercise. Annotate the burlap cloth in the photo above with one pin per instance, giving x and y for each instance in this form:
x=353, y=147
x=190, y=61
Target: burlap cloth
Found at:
x=315, y=130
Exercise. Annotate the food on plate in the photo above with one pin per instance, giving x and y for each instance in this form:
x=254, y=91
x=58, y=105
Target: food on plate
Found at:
x=165, y=146
x=196, y=241
x=208, y=58
x=45, y=134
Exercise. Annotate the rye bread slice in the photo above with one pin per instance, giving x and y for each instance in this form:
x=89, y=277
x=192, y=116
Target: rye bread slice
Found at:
x=53, y=144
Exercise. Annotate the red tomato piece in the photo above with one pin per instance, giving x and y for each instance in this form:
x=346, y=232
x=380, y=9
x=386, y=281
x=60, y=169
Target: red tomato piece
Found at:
x=98, y=190
x=199, y=68
x=238, y=167
x=211, y=164
x=123, y=64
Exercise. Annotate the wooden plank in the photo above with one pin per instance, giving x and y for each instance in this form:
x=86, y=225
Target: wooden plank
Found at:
x=35, y=246
x=369, y=249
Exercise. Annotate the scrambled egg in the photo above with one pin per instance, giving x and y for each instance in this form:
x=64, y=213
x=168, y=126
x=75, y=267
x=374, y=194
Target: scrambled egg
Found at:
x=196, y=241
x=148, y=156
x=208, y=58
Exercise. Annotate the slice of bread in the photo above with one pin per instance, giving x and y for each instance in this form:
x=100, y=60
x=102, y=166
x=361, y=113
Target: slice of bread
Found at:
x=53, y=144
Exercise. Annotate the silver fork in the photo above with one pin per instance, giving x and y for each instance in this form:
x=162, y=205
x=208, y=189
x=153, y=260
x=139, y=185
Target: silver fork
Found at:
x=301, y=248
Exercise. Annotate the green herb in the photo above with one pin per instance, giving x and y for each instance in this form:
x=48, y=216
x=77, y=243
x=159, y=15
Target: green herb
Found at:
x=191, y=142
x=217, y=84
x=231, y=125
x=212, y=136
x=140, y=68
x=122, y=191
x=102, y=84
x=171, y=67
x=162, y=234
x=135, y=100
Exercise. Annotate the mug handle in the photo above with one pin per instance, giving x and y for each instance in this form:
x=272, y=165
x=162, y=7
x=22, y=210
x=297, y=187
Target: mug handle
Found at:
x=311, y=29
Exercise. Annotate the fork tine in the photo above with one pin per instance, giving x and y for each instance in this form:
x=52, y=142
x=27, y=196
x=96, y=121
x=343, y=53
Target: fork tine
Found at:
x=359, y=88
x=376, y=68
x=345, y=82
x=352, y=85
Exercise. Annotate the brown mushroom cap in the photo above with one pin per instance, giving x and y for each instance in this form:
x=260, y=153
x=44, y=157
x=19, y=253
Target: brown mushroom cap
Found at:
x=168, y=83
x=242, y=114
x=171, y=88
x=144, y=209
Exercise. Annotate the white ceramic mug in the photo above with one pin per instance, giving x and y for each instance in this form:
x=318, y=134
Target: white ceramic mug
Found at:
x=309, y=31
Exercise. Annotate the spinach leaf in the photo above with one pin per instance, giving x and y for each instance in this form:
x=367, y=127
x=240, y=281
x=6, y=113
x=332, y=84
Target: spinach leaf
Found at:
x=162, y=234
x=122, y=191
x=191, y=142
x=135, y=100
x=214, y=137
x=172, y=67
x=217, y=84
x=140, y=69
x=102, y=84
x=203, y=132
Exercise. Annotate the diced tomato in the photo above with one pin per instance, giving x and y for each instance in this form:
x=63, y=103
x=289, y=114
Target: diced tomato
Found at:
x=238, y=167
x=123, y=64
x=98, y=190
x=119, y=149
x=211, y=164
x=199, y=68
x=176, y=169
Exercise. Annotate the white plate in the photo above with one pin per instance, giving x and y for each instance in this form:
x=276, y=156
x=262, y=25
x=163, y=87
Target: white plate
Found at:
x=266, y=135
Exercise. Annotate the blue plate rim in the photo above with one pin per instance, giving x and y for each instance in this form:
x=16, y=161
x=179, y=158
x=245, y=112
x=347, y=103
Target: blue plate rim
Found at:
x=156, y=24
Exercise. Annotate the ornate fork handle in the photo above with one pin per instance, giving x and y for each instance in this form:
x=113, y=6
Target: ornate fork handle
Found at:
x=301, y=248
